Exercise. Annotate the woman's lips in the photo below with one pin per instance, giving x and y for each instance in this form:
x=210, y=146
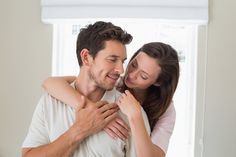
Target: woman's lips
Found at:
x=129, y=81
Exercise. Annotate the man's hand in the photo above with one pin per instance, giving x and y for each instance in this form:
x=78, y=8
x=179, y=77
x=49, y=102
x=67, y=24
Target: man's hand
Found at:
x=91, y=118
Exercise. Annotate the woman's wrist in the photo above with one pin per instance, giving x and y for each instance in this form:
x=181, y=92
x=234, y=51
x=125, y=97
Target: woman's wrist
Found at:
x=135, y=115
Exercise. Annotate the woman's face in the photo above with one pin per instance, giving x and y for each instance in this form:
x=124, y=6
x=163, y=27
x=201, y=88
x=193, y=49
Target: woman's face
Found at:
x=142, y=72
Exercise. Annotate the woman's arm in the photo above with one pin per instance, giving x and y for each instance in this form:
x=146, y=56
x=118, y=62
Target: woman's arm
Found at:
x=59, y=87
x=143, y=144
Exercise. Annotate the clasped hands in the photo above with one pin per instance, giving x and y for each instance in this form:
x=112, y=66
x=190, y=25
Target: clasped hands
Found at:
x=92, y=117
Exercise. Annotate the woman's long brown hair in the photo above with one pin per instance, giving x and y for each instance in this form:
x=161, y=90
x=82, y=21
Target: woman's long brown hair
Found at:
x=159, y=97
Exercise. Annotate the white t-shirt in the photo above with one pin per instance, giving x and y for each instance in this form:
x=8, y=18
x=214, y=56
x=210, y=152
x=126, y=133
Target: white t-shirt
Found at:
x=52, y=118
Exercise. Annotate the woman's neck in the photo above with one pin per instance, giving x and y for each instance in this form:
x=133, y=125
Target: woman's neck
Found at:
x=139, y=94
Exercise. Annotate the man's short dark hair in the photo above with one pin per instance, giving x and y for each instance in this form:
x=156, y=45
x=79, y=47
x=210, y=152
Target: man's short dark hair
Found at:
x=93, y=38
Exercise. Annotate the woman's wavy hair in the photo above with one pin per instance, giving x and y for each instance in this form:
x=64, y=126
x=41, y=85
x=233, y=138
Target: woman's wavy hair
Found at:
x=159, y=97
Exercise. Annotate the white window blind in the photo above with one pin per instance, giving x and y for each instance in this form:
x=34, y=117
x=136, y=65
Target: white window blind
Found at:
x=194, y=10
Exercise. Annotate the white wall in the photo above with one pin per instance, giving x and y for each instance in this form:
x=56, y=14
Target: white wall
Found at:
x=25, y=49
x=220, y=99
x=25, y=59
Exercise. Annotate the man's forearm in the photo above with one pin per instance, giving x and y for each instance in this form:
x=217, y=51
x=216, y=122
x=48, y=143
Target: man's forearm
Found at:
x=64, y=146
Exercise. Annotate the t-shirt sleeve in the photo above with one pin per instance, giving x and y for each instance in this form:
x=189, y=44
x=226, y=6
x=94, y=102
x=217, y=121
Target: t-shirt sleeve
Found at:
x=163, y=129
x=38, y=132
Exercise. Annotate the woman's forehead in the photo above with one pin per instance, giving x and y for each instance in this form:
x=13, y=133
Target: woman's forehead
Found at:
x=148, y=64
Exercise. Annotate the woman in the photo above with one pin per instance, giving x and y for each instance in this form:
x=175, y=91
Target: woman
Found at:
x=150, y=82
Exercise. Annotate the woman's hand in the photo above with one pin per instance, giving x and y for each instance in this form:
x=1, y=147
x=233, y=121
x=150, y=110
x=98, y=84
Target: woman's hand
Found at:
x=117, y=128
x=129, y=105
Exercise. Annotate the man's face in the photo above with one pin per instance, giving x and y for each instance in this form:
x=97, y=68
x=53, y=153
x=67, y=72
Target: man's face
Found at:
x=107, y=66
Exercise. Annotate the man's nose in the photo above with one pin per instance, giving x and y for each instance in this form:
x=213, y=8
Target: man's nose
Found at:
x=119, y=68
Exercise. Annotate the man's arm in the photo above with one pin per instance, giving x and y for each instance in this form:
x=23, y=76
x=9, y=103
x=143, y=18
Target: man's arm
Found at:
x=64, y=146
x=88, y=120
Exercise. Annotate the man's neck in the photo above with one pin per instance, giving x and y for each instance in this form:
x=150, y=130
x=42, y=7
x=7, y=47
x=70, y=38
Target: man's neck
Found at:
x=88, y=88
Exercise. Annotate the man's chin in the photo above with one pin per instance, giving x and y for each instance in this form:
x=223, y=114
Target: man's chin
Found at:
x=106, y=86
x=109, y=87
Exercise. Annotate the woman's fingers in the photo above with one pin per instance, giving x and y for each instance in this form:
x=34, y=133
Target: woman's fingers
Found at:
x=123, y=124
x=110, y=133
x=118, y=130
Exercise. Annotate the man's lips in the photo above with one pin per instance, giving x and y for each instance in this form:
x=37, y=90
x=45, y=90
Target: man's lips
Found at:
x=113, y=77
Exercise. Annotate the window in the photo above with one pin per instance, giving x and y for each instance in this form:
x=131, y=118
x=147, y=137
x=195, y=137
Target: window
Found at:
x=181, y=36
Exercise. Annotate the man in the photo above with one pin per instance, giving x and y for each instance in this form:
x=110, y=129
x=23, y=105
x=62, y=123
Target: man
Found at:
x=56, y=129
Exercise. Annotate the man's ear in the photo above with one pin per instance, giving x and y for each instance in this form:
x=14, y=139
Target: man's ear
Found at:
x=85, y=57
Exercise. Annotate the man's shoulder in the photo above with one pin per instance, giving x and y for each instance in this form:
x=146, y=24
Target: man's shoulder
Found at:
x=48, y=102
x=111, y=95
x=46, y=98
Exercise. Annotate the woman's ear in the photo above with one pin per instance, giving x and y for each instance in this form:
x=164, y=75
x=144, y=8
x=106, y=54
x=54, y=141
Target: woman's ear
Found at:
x=85, y=57
x=156, y=84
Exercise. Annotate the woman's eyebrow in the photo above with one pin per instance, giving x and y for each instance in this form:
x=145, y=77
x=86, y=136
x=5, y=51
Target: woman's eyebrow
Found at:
x=135, y=60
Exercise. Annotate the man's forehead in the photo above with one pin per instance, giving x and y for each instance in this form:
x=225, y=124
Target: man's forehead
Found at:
x=113, y=49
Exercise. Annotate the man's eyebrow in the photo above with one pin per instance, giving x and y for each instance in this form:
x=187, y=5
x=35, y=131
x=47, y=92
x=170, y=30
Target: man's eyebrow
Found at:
x=115, y=56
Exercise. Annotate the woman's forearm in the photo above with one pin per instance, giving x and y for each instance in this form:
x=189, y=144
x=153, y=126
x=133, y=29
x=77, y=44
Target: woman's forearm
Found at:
x=143, y=143
x=59, y=87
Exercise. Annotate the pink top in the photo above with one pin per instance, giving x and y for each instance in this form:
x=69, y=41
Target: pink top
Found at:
x=163, y=129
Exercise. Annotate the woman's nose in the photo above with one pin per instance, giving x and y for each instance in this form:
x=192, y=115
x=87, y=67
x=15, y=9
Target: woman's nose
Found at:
x=133, y=75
